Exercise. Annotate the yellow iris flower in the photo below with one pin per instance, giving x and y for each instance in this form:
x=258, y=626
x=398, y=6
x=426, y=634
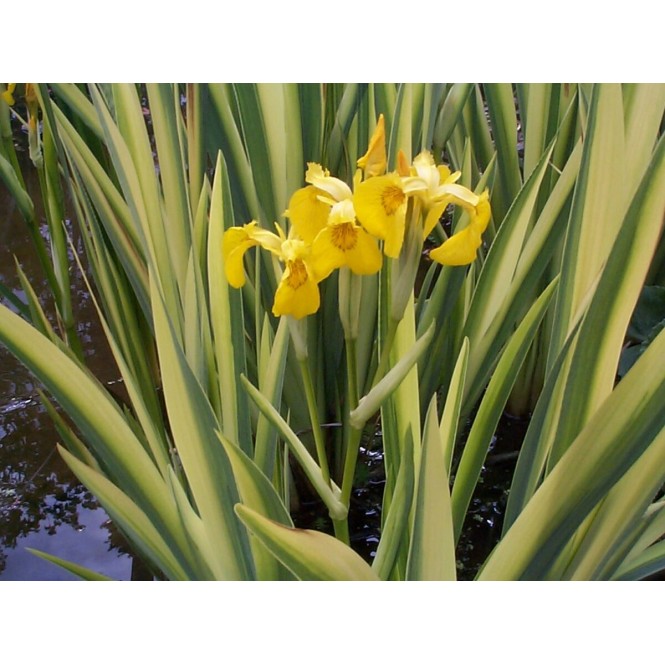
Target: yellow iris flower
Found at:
x=8, y=94
x=461, y=248
x=333, y=226
x=298, y=291
x=441, y=190
x=381, y=206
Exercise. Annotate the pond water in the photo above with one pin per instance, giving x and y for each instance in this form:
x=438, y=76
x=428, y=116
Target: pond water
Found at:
x=42, y=505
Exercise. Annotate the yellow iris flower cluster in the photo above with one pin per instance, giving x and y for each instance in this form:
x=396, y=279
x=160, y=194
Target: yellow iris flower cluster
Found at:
x=334, y=226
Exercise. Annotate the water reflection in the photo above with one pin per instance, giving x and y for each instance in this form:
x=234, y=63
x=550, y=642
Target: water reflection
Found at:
x=42, y=505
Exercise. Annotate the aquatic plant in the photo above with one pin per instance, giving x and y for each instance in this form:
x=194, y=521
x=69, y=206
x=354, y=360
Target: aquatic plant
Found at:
x=231, y=374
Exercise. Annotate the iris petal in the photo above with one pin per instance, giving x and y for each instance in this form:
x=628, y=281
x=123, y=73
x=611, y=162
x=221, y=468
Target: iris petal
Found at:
x=235, y=243
x=380, y=205
x=298, y=302
x=374, y=161
x=325, y=257
x=365, y=258
x=307, y=212
x=321, y=179
x=460, y=249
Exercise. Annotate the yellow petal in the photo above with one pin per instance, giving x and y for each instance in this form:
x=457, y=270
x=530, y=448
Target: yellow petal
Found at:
x=478, y=208
x=342, y=213
x=374, y=161
x=297, y=293
x=345, y=244
x=307, y=212
x=446, y=177
x=270, y=241
x=365, y=257
x=326, y=256
x=480, y=216
x=31, y=94
x=235, y=242
x=426, y=169
x=433, y=217
x=457, y=194
x=403, y=167
x=321, y=179
x=380, y=205
x=460, y=249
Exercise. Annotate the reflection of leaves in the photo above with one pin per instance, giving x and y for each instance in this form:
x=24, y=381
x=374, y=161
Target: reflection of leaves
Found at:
x=37, y=490
x=28, y=505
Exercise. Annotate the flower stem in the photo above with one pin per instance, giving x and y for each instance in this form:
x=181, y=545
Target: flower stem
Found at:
x=351, y=373
x=352, y=447
x=351, y=437
x=314, y=420
x=342, y=531
x=385, y=351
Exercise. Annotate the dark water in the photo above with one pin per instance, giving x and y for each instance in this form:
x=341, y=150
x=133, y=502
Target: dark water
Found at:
x=42, y=505
x=482, y=527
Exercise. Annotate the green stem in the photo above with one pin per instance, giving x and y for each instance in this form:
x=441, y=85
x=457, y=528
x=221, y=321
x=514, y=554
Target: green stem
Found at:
x=351, y=373
x=385, y=351
x=342, y=531
x=351, y=437
x=314, y=420
x=352, y=447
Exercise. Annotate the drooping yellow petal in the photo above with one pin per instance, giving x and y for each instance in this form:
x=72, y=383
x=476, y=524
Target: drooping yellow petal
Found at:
x=307, y=212
x=235, y=242
x=298, y=292
x=374, y=161
x=460, y=249
x=478, y=207
x=480, y=215
x=365, y=257
x=326, y=255
x=380, y=205
x=433, y=216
